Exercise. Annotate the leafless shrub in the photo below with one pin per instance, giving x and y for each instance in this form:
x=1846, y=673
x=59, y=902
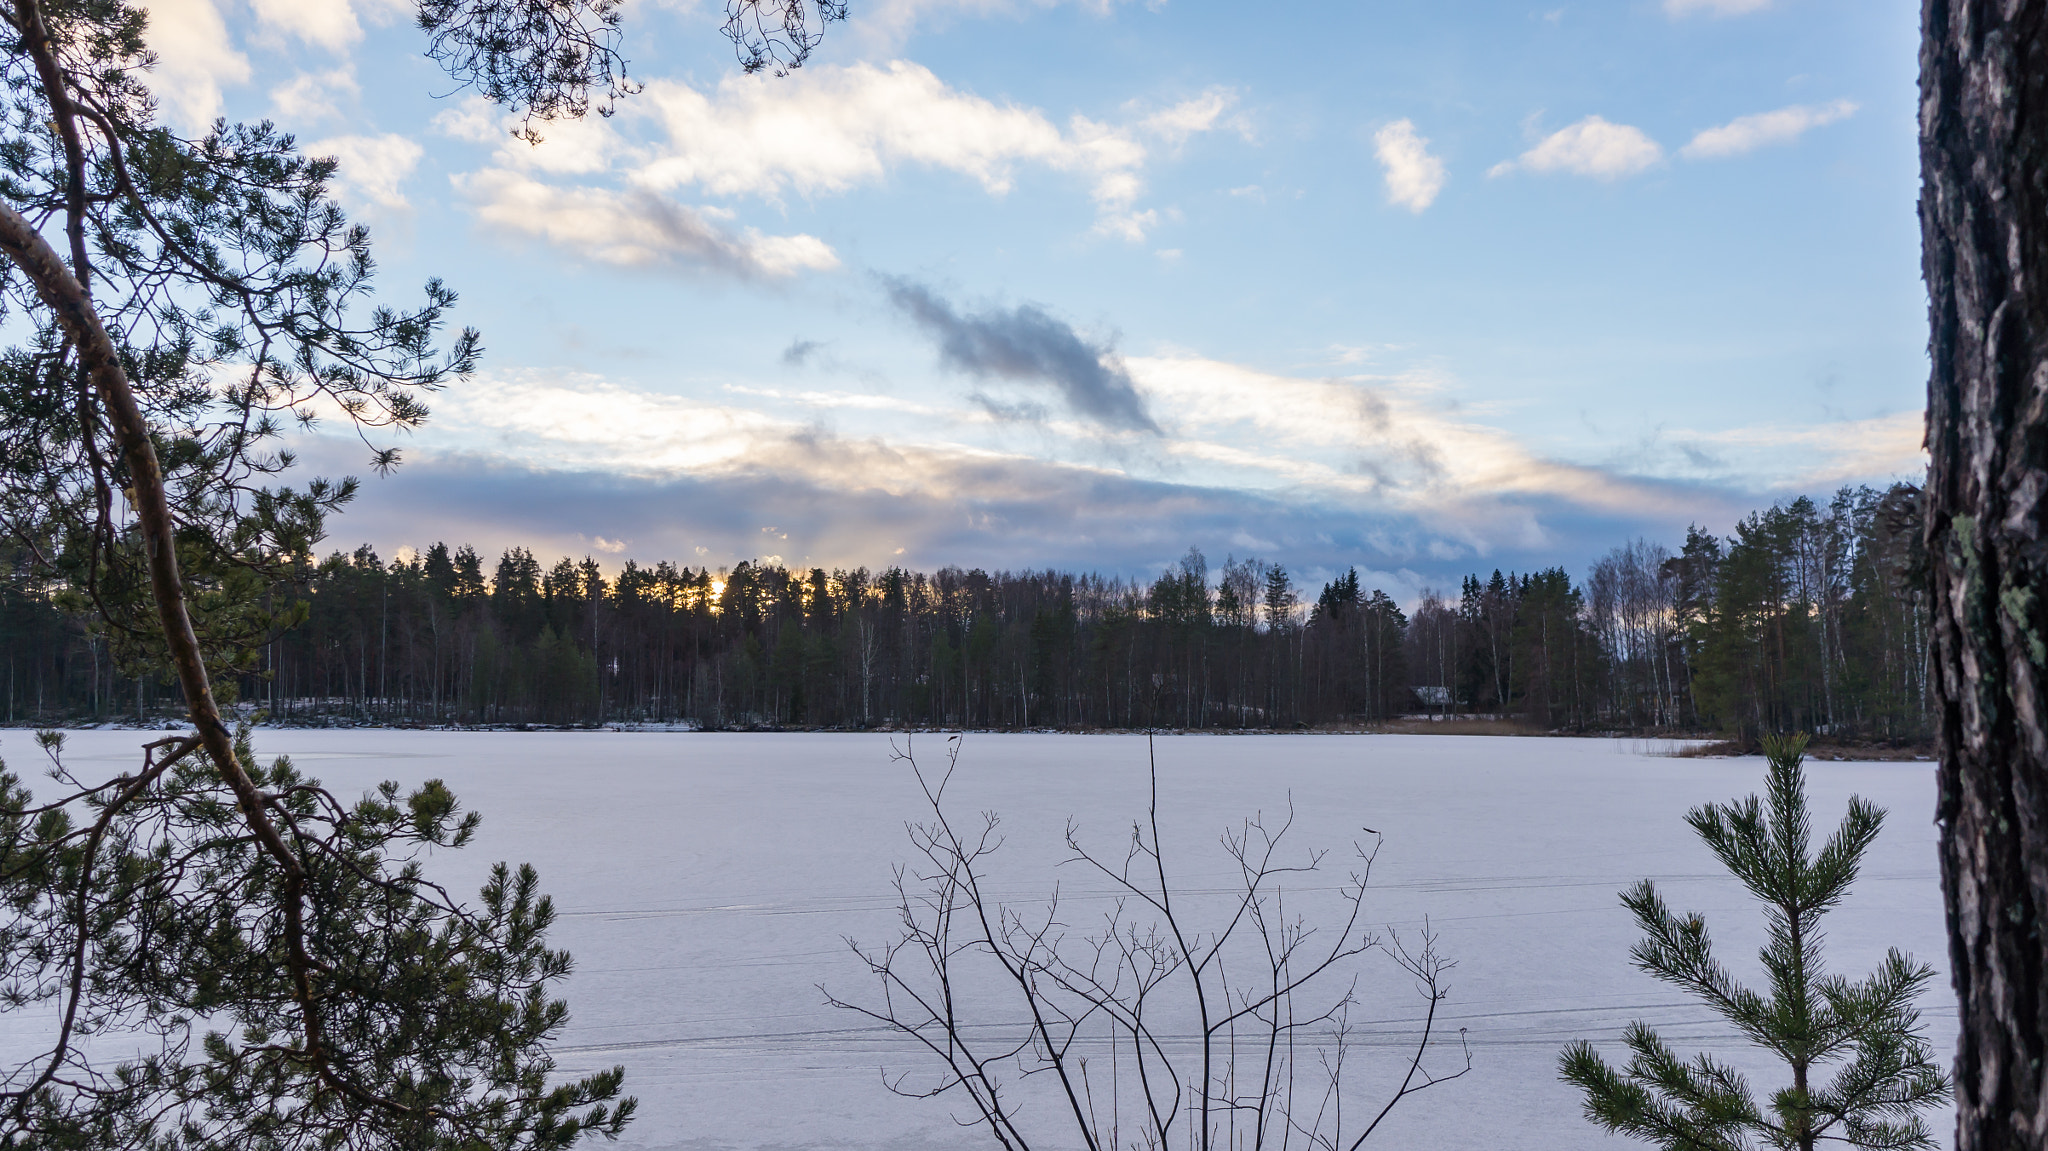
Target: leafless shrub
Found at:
x=1180, y=1017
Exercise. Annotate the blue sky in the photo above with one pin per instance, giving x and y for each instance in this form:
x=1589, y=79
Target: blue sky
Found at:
x=1418, y=288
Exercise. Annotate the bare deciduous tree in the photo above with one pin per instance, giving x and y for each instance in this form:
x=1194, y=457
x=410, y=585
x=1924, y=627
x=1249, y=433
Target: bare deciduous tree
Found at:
x=1174, y=1016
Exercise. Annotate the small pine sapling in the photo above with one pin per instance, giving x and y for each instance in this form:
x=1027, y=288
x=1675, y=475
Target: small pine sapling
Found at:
x=1865, y=1035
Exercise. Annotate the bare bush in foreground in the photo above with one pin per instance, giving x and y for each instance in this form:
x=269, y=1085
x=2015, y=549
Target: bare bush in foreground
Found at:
x=1175, y=1017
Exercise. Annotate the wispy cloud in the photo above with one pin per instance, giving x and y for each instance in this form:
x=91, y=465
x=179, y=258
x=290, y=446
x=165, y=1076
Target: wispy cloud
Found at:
x=1849, y=451
x=843, y=502
x=1382, y=443
x=1029, y=345
x=329, y=24
x=843, y=400
x=311, y=97
x=195, y=58
x=1214, y=109
x=884, y=25
x=1325, y=470
x=372, y=170
x=1748, y=133
x=826, y=130
x=637, y=228
x=1678, y=8
x=578, y=420
x=1390, y=444
x=1413, y=176
x=198, y=56
x=1388, y=440
x=1592, y=147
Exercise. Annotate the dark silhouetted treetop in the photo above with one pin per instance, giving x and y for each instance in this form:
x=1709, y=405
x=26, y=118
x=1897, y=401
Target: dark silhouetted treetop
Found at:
x=544, y=59
x=175, y=305
x=778, y=35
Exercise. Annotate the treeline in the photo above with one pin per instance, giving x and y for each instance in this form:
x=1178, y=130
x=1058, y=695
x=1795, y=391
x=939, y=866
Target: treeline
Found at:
x=1809, y=617
x=1805, y=618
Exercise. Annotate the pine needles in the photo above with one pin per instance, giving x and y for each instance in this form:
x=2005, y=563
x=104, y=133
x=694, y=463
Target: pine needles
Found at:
x=1865, y=1036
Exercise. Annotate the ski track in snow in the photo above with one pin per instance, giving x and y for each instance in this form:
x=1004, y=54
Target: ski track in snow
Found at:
x=705, y=884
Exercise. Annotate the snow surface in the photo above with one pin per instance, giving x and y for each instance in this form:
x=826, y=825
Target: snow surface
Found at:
x=705, y=882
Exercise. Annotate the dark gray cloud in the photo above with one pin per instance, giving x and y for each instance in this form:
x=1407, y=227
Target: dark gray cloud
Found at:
x=1028, y=344
x=1021, y=412
x=799, y=351
x=1701, y=458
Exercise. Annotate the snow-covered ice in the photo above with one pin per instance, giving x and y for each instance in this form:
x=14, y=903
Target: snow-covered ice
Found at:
x=705, y=881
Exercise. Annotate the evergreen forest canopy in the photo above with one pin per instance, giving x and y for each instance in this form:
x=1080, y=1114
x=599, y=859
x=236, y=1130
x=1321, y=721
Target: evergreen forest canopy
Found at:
x=1808, y=617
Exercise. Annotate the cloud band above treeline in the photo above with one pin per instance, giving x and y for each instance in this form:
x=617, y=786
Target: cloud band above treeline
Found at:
x=1317, y=473
x=1011, y=514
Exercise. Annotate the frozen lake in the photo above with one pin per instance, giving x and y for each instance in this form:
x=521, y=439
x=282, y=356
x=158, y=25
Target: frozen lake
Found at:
x=704, y=883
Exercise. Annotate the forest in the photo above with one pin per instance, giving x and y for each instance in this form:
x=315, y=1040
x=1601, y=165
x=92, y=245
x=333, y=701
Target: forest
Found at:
x=1807, y=618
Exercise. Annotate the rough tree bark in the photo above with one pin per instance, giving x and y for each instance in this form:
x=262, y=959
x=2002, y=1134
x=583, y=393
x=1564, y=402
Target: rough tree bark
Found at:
x=1984, y=221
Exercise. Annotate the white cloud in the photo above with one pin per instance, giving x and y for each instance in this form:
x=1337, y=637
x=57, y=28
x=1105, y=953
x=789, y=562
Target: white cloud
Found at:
x=858, y=401
x=578, y=147
x=195, y=57
x=1825, y=455
x=474, y=119
x=1387, y=438
x=609, y=426
x=1188, y=118
x=825, y=130
x=329, y=24
x=885, y=24
x=1678, y=8
x=1748, y=133
x=310, y=97
x=636, y=228
x=1592, y=147
x=828, y=129
x=1414, y=177
x=1353, y=354
x=372, y=169
x=1290, y=450
x=1244, y=437
x=1127, y=225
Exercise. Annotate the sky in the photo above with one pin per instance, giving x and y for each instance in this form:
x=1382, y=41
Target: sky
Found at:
x=1423, y=289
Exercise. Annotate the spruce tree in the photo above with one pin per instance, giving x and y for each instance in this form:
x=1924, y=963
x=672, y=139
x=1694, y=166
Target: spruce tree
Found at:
x=1860, y=1070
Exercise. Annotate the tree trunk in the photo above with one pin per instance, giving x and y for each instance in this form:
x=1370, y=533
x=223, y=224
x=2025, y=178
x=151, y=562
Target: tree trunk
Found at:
x=1984, y=220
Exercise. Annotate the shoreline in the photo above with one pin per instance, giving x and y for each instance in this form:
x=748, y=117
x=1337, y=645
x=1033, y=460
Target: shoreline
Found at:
x=1711, y=745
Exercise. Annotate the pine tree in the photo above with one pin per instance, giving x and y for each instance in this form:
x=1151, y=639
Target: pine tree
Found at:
x=209, y=291
x=1867, y=1032
x=1984, y=237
